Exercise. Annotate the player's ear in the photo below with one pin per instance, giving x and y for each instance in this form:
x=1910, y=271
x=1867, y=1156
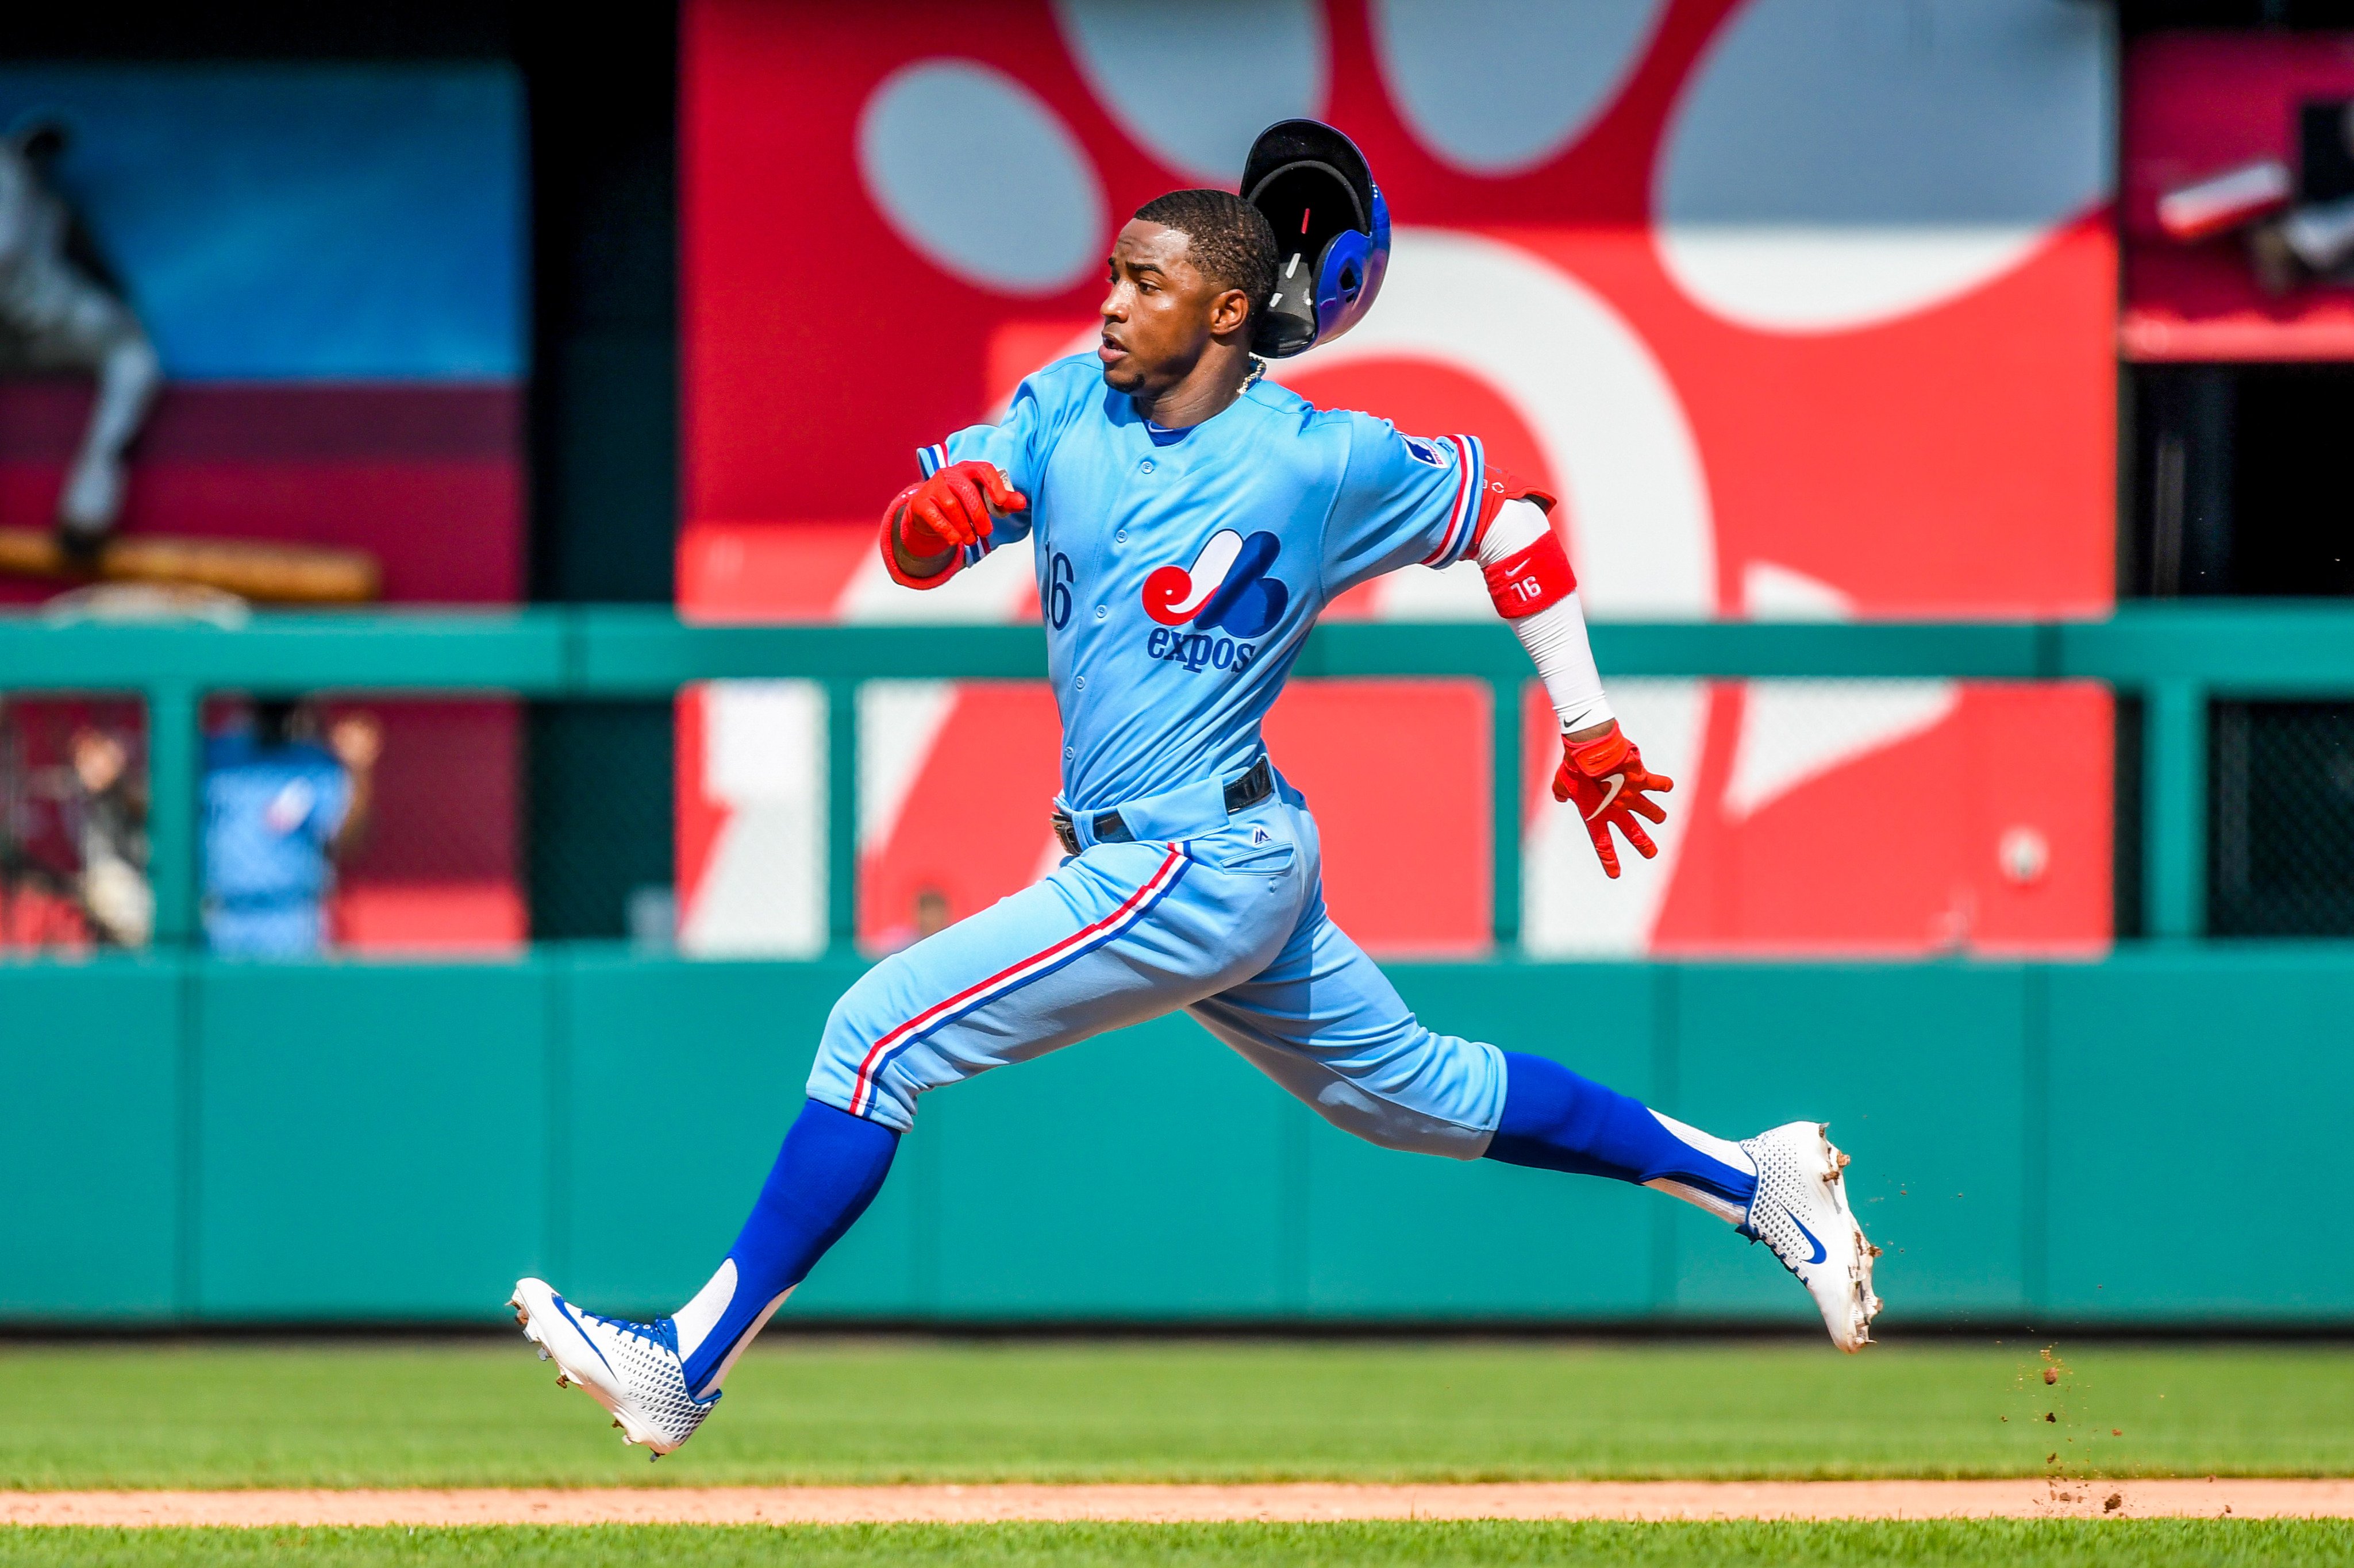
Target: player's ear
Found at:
x=1229, y=311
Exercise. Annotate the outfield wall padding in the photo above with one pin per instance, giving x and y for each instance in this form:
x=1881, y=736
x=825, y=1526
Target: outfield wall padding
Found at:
x=2147, y=1138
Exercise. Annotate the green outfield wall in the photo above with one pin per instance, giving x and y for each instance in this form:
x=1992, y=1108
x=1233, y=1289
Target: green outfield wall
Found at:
x=2153, y=1138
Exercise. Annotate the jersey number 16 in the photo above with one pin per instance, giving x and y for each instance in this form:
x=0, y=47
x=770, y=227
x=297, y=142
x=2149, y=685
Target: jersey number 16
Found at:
x=1059, y=577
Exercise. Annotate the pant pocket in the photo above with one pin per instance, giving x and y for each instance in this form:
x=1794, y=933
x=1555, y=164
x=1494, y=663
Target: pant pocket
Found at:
x=1266, y=858
x=1272, y=858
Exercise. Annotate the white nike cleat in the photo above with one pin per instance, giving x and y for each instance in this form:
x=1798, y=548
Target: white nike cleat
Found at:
x=632, y=1369
x=1800, y=1210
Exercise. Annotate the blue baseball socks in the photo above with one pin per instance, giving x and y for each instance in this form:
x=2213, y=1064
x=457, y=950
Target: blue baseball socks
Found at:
x=1556, y=1120
x=830, y=1168
x=833, y=1163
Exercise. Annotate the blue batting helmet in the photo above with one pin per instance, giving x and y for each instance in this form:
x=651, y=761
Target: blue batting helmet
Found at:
x=1332, y=234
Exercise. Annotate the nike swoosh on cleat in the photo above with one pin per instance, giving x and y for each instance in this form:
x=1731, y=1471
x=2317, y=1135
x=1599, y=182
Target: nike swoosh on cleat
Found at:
x=566, y=1308
x=1618, y=782
x=1820, y=1251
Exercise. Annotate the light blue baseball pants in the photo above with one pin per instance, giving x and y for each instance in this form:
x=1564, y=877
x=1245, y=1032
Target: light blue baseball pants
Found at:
x=1221, y=916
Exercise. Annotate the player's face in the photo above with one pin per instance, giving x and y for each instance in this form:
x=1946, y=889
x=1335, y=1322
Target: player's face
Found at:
x=1161, y=311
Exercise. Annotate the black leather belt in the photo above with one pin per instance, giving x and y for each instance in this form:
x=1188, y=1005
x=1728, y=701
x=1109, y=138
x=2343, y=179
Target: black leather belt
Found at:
x=1111, y=828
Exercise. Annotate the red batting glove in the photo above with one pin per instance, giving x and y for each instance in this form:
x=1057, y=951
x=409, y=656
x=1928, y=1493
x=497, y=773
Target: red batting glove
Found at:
x=1607, y=779
x=951, y=509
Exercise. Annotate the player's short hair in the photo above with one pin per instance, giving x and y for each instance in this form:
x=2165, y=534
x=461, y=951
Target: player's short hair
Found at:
x=1228, y=239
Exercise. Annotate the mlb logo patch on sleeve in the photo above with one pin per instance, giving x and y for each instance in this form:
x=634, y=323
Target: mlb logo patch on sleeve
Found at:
x=1425, y=451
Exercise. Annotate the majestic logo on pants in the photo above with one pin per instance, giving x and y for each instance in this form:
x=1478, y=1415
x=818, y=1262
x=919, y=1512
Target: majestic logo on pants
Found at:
x=1226, y=589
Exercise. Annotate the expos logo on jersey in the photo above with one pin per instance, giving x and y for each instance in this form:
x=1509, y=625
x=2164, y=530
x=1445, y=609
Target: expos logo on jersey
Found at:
x=1225, y=595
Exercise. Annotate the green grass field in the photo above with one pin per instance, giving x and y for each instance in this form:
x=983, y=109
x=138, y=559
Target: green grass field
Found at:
x=487, y=1413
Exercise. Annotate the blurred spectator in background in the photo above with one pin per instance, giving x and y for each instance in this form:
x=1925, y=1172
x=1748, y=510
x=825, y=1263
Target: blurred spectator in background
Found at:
x=927, y=913
x=38, y=905
x=112, y=837
x=280, y=810
x=73, y=808
x=61, y=308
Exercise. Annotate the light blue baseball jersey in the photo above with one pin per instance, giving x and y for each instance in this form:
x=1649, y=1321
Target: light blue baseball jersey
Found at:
x=269, y=814
x=1179, y=570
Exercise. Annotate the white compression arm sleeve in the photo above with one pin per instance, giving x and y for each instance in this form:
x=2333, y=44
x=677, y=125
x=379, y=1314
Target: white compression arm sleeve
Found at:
x=1555, y=635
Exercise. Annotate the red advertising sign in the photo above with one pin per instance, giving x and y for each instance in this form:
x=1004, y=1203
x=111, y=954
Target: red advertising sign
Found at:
x=1806, y=311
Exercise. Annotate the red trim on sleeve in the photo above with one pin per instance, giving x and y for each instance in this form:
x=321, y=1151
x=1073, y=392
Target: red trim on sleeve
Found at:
x=1525, y=583
x=1504, y=486
x=1455, y=508
x=891, y=515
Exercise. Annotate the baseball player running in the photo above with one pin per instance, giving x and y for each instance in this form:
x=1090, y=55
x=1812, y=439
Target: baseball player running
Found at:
x=1189, y=520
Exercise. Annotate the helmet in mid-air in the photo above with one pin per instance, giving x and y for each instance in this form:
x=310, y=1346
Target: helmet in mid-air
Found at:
x=1332, y=234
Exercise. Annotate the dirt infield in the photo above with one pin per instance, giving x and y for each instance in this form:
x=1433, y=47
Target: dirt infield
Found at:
x=1307, y=1502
